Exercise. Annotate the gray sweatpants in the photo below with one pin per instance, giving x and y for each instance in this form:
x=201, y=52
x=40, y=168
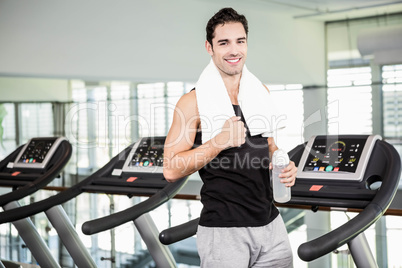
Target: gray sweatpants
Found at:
x=241, y=247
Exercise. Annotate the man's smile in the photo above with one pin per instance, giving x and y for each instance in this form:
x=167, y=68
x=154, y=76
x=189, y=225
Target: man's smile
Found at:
x=233, y=61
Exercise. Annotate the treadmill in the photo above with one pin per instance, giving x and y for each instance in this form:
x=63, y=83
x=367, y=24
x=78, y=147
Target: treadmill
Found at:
x=342, y=171
x=136, y=171
x=29, y=168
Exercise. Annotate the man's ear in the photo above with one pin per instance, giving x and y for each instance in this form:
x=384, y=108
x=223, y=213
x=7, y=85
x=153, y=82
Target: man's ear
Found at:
x=208, y=47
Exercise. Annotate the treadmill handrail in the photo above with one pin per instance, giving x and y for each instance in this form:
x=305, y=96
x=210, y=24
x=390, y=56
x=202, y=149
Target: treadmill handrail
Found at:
x=43, y=180
x=179, y=232
x=58, y=199
x=375, y=209
x=132, y=213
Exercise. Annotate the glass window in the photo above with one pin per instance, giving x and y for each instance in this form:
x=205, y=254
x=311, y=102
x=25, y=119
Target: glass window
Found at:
x=36, y=120
x=99, y=128
x=7, y=129
x=174, y=91
x=120, y=117
x=286, y=96
x=77, y=126
x=151, y=108
x=392, y=100
x=392, y=105
x=106, y=119
x=349, y=101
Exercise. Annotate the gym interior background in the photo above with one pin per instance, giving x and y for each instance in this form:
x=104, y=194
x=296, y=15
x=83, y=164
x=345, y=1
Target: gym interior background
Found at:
x=104, y=74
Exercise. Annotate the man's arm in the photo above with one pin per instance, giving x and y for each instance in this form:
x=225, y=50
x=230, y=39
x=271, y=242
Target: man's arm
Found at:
x=180, y=159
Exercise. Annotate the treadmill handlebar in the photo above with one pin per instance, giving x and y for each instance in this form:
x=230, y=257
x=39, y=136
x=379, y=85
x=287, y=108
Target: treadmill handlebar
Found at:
x=375, y=209
x=65, y=151
x=37, y=207
x=132, y=213
x=336, y=238
x=179, y=232
x=62, y=197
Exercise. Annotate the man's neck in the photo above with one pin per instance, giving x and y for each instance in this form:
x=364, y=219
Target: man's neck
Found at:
x=232, y=84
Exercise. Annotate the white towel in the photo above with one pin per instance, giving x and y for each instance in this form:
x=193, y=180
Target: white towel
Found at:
x=215, y=106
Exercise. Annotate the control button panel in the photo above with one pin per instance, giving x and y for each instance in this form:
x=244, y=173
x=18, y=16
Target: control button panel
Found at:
x=337, y=157
x=37, y=152
x=146, y=156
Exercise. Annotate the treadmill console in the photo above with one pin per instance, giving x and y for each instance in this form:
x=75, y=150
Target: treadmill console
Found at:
x=146, y=156
x=337, y=157
x=37, y=152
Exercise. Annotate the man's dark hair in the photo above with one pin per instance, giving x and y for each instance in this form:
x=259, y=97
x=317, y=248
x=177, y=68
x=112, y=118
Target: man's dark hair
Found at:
x=223, y=16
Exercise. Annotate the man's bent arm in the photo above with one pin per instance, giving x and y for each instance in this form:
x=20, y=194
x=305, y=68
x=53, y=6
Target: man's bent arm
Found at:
x=180, y=158
x=184, y=163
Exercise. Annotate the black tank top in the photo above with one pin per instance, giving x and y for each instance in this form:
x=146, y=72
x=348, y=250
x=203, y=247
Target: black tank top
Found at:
x=236, y=190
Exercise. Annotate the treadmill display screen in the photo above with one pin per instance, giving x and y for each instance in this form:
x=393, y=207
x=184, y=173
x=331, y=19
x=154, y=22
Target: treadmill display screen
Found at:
x=36, y=151
x=335, y=155
x=148, y=153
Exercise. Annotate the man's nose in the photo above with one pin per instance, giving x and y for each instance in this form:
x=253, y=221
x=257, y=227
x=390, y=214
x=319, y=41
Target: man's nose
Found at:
x=234, y=50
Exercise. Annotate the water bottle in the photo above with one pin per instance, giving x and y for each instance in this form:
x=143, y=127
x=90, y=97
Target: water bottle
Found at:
x=280, y=160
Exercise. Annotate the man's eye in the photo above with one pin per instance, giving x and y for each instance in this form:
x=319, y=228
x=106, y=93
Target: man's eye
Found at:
x=223, y=43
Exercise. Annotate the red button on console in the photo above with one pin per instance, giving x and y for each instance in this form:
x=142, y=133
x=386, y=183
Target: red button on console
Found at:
x=131, y=179
x=316, y=188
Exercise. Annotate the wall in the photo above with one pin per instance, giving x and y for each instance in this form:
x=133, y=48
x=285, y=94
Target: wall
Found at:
x=33, y=89
x=152, y=40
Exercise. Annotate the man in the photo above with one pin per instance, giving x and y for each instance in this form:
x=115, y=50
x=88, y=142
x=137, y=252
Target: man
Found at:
x=239, y=224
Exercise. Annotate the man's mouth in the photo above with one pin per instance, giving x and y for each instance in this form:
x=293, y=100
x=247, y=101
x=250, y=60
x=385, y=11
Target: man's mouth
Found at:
x=233, y=60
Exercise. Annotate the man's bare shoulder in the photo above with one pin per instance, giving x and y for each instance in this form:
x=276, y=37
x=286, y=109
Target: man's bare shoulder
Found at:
x=189, y=98
x=188, y=103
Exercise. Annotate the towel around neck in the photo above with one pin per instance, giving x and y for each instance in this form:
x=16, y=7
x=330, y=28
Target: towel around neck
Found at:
x=215, y=106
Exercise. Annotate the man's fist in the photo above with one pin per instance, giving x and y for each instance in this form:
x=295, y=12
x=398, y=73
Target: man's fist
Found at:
x=233, y=133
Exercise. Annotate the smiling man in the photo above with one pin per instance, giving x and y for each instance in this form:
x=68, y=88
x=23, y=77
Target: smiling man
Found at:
x=229, y=55
x=217, y=131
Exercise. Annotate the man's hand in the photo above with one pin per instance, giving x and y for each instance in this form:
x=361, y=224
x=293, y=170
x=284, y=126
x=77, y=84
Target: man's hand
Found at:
x=233, y=133
x=288, y=174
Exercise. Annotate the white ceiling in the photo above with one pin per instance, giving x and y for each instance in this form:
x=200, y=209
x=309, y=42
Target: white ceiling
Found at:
x=330, y=10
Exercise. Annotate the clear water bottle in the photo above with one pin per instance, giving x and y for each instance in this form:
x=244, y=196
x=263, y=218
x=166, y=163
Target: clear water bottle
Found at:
x=280, y=160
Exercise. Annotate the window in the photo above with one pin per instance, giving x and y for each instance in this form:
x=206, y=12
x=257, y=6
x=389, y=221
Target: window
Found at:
x=151, y=108
x=392, y=106
x=106, y=118
x=36, y=120
x=120, y=117
x=156, y=104
x=174, y=91
x=7, y=131
x=77, y=126
x=349, y=101
x=289, y=96
x=392, y=101
x=97, y=122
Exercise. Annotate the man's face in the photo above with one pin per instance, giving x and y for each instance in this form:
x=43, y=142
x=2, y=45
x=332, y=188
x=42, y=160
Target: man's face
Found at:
x=229, y=50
